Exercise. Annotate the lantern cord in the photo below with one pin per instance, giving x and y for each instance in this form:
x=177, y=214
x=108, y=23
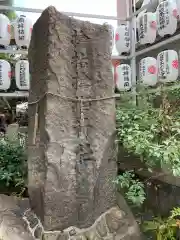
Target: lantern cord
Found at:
x=72, y=99
x=80, y=100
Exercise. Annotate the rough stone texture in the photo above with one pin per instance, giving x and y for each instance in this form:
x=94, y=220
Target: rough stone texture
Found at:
x=12, y=132
x=18, y=222
x=113, y=224
x=71, y=163
x=33, y=224
x=12, y=226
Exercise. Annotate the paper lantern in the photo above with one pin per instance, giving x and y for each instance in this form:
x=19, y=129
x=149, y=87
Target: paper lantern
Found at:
x=22, y=31
x=123, y=77
x=22, y=74
x=5, y=30
x=146, y=26
x=168, y=66
x=5, y=75
x=122, y=39
x=167, y=15
x=153, y=5
x=148, y=71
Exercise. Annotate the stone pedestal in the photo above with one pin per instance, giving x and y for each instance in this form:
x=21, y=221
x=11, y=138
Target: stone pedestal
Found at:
x=112, y=225
x=72, y=159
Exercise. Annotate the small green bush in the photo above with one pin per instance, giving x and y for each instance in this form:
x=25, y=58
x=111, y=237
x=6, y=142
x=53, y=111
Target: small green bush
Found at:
x=152, y=134
x=164, y=228
x=13, y=165
x=134, y=189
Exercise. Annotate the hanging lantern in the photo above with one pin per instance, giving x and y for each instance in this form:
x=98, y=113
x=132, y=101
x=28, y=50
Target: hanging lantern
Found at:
x=148, y=71
x=5, y=30
x=168, y=66
x=153, y=5
x=146, y=26
x=5, y=75
x=167, y=16
x=123, y=77
x=23, y=31
x=177, y=2
x=178, y=6
x=22, y=74
x=122, y=39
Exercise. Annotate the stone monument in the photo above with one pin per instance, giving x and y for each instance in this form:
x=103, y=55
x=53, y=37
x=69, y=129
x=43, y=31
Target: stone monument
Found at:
x=71, y=134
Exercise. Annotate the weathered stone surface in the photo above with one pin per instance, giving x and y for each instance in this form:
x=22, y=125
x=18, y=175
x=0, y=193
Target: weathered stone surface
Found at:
x=56, y=235
x=38, y=232
x=12, y=226
x=33, y=224
x=12, y=132
x=112, y=225
x=101, y=228
x=33, y=221
x=79, y=237
x=71, y=231
x=113, y=220
x=71, y=163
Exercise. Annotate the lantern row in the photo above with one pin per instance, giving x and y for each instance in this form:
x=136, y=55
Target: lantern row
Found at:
x=21, y=74
x=164, y=69
x=20, y=30
x=163, y=22
x=149, y=25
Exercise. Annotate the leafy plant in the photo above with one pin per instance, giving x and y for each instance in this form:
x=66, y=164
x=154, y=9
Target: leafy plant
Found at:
x=13, y=165
x=151, y=133
x=164, y=229
x=134, y=189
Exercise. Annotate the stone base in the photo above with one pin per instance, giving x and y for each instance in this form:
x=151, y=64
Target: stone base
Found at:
x=111, y=225
x=17, y=221
x=12, y=226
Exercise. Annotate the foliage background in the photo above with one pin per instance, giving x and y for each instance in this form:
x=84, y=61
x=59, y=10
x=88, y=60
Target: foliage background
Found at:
x=150, y=131
x=13, y=166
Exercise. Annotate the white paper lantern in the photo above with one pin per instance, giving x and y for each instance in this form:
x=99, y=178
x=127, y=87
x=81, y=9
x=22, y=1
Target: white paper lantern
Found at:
x=22, y=31
x=168, y=66
x=178, y=6
x=5, y=30
x=5, y=75
x=153, y=5
x=22, y=74
x=123, y=77
x=148, y=71
x=167, y=15
x=122, y=39
x=146, y=26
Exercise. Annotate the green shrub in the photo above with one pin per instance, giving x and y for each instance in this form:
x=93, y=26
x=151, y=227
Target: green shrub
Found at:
x=151, y=133
x=13, y=165
x=133, y=188
x=165, y=229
